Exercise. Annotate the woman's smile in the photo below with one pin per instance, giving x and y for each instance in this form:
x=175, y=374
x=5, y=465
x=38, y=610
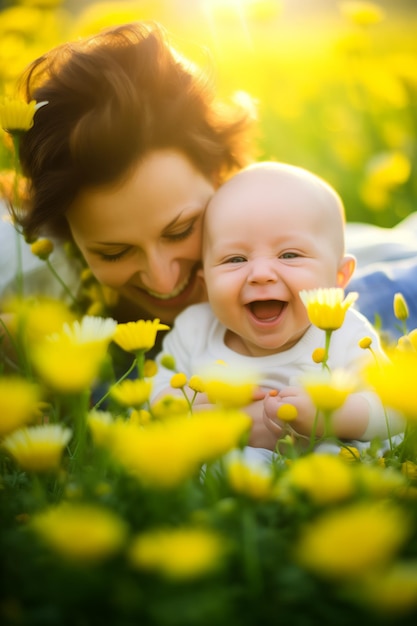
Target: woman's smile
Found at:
x=167, y=296
x=179, y=294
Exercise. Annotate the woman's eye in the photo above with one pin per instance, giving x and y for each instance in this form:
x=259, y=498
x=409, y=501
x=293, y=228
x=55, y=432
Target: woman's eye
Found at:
x=111, y=258
x=182, y=234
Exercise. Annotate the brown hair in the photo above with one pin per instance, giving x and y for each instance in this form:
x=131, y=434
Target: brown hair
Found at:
x=112, y=98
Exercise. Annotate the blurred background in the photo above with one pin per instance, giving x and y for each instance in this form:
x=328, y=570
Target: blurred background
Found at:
x=335, y=81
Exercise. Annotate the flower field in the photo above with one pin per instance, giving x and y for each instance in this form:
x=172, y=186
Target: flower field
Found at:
x=113, y=510
x=334, y=87
x=118, y=512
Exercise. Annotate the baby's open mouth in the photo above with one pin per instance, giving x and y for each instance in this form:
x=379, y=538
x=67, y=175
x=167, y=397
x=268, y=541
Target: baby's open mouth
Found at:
x=266, y=310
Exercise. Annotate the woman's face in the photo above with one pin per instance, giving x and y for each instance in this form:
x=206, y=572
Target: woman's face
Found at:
x=142, y=237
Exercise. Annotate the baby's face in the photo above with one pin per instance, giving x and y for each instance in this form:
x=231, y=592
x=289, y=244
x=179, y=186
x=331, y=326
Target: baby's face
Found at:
x=265, y=240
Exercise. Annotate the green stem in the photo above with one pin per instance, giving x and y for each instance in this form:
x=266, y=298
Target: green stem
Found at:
x=326, y=349
x=80, y=428
x=313, y=432
x=250, y=553
x=106, y=395
x=409, y=444
x=189, y=402
x=63, y=285
x=140, y=360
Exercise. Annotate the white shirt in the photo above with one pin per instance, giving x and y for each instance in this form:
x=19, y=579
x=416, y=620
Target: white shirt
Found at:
x=197, y=341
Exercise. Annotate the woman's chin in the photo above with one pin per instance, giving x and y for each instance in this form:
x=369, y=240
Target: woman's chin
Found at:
x=166, y=309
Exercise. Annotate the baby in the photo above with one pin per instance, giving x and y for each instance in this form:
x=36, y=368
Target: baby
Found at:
x=269, y=232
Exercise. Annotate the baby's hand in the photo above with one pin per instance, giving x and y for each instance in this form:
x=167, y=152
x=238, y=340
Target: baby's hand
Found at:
x=298, y=398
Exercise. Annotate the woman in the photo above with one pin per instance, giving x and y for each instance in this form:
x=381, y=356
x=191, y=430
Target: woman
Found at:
x=123, y=160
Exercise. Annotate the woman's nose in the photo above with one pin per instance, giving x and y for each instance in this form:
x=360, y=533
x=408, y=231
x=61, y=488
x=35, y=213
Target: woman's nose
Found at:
x=159, y=273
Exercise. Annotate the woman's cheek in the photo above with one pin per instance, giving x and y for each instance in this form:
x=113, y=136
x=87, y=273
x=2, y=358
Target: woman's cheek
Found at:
x=111, y=274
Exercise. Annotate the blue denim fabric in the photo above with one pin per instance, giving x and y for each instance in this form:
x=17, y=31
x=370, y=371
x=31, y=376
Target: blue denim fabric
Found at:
x=377, y=284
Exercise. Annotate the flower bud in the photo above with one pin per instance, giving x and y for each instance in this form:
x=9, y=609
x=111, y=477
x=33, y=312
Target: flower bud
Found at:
x=178, y=381
x=287, y=412
x=365, y=343
x=42, y=248
x=400, y=307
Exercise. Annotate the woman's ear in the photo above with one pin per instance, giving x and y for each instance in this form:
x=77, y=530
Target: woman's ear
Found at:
x=345, y=270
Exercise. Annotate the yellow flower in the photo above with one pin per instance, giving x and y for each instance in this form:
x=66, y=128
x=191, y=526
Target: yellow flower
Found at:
x=400, y=307
x=91, y=330
x=178, y=553
x=140, y=335
x=160, y=454
x=391, y=590
x=42, y=248
x=169, y=406
x=178, y=381
x=99, y=423
x=228, y=387
x=17, y=115
x=13, y=189
x=388, y=170
x=257, y=483
x=96, y=309
x=409, y=469
x=140, y=417
x=228, y=394
x=38, y=448
x=395, y=382
x=349, y=453
x=38, y=317
x=319, y=354
x=218, y=431
x=86, y=276
x=362, y=13
x=324, y=478
x=365, y=343
x=328, y=390
x=80, y=532
x=150, y=368
x=349, y=542
x=131, y=393
x=326, y=308
x=379, y=481
x=409, y=341
x=287, y=412
x=69, y=361
x=18, y=403
x=166, y=453
x=168, y=361
x=196, y=384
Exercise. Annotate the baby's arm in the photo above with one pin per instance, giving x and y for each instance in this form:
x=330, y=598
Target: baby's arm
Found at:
x=349, y=422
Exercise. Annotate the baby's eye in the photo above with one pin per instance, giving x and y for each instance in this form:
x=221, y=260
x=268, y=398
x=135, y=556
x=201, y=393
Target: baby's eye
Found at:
x=236, y=259
x=289, y=255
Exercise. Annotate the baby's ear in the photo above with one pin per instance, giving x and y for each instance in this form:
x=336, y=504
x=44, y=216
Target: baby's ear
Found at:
x=345, y=270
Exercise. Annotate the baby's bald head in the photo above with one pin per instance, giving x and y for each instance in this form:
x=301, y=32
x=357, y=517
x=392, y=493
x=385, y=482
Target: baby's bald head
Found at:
x=291, y=191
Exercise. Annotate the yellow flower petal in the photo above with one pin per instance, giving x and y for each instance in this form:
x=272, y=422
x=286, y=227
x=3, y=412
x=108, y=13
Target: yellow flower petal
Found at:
x=38, y=448
x=17, y=115
x=326, y=308
x=140, y=335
